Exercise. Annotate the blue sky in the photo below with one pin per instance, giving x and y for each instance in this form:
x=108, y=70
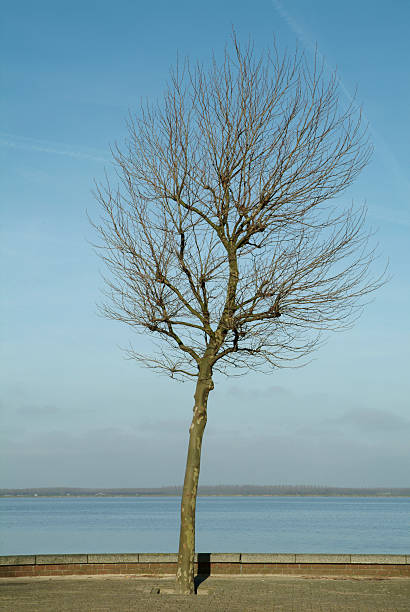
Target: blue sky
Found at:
x=74, y=411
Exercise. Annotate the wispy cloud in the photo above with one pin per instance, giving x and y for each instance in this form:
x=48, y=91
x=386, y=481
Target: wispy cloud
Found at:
x=34, y=412
x=374, y=421
x=163, y=426
x=308, y=43
x=54, y=148
x=37, y=411
x=293, y=24
x=390, y=159
x=257, y=392
x=391, y=215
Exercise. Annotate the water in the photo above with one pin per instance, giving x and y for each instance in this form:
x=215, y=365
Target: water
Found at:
x=224, y=524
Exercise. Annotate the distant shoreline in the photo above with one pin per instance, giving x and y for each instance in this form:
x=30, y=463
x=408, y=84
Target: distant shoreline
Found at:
x=199, y=495
x=211, y=491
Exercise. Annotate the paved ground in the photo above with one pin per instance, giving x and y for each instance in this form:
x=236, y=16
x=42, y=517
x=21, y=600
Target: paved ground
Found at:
x=215, y=594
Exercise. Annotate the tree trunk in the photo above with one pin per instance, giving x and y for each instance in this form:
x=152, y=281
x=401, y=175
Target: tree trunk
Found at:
x=185, y=570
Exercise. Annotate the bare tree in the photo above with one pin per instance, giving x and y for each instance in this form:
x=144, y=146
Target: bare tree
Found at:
x=219, y=235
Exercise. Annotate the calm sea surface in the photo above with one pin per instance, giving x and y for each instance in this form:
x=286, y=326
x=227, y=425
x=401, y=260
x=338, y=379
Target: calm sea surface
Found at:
x=224, y=524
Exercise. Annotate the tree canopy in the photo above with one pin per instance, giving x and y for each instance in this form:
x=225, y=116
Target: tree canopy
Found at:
x=220, y=230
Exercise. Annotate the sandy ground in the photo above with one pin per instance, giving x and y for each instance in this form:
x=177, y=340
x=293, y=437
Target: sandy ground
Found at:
x=215, y=594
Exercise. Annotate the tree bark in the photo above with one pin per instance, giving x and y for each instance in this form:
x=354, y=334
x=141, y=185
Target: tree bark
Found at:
x=185, y=570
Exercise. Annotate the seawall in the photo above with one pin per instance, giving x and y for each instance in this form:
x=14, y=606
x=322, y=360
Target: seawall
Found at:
x=150, y=564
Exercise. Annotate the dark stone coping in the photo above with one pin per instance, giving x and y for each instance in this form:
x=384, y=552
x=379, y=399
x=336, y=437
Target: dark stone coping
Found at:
x=241, y=558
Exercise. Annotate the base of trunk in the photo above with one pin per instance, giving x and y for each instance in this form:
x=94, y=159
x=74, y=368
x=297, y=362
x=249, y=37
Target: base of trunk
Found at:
x=185, y=584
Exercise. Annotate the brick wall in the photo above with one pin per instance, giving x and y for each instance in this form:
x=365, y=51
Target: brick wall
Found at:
x=144, y=564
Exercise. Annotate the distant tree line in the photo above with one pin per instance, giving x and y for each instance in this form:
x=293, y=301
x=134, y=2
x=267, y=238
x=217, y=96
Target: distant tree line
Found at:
x=223, y=490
